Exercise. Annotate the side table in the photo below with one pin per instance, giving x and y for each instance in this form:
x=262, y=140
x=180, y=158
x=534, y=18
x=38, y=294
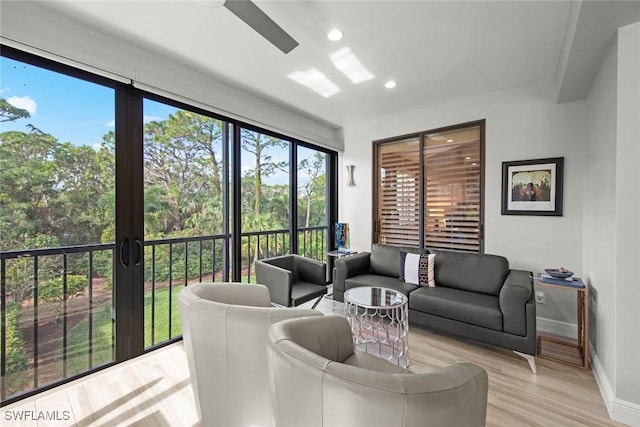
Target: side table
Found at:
x=379, y=320
x=572, y=352
x=333, y=255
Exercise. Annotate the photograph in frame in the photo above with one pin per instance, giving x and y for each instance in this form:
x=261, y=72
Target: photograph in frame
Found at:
x=532, y=187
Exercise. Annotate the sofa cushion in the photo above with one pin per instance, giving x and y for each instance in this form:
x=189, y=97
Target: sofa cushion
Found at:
x=385, y=259
x=471, y=272
x=382, y=281
x=463, y=306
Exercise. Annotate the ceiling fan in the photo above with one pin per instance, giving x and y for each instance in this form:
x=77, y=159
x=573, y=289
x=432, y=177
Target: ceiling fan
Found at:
x=254, y=17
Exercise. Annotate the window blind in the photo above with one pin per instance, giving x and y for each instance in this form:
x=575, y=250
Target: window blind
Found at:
x=452, y=190
x=399, y=193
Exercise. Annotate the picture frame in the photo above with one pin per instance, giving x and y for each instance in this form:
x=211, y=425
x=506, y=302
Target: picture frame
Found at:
x=533, y=187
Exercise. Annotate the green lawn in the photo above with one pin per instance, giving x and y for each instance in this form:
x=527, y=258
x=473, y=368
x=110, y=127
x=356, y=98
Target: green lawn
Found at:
x=78, y=337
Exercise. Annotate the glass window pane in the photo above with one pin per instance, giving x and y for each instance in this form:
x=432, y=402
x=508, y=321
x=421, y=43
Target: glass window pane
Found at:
x=265, y=199
x=312, y=203
x=183, y=214
x=57, y=195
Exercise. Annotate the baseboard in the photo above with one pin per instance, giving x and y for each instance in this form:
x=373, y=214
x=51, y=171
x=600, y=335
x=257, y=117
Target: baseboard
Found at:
x=619, y=410
x=557, y=327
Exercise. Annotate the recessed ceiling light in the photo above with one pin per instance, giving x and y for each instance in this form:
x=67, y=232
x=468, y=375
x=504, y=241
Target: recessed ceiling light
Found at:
x=390, y=84
x=467, y=158
x=449, y=140
x=335, y=35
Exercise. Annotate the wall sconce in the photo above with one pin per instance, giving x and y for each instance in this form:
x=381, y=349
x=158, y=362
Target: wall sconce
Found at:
x=350, y=181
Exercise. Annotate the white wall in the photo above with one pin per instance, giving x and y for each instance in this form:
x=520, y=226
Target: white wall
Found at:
x=611, y=225
x=521, y=123
x=32, y=27
x=627, y=216
x=599, y=241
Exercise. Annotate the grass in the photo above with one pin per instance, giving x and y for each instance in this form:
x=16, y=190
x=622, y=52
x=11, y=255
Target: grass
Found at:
x=102, y=351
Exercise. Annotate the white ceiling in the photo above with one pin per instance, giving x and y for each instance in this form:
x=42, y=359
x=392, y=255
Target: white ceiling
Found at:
x=435, y=50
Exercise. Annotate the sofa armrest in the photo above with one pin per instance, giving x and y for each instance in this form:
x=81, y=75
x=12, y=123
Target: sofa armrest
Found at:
x=350, y=266
x=278, y=280
x=312, y=271
x=516, y=292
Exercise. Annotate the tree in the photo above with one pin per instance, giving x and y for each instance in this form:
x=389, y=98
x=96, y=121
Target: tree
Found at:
x=9, y=113
x=181, y=160
x=257, y=144
x=313, y=188
x=54, y=290
x=27, y=186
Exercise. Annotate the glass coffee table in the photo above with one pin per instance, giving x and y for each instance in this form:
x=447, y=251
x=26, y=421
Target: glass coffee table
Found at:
x=379, y=319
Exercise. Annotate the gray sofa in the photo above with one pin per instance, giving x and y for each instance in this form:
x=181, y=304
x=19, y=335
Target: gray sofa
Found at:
x=476, y=296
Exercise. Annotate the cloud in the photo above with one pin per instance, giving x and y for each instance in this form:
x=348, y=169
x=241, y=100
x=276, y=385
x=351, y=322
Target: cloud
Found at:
x=96, y=147
x=4, y=89
x=23, y=102
x=147, y=119
x=111, y=123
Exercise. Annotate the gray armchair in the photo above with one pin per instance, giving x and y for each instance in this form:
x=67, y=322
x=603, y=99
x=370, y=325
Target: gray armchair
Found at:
x=292, y=279
x=318, y=381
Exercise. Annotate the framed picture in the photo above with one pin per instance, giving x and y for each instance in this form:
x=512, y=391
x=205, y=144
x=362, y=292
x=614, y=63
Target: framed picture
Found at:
x=532, y=187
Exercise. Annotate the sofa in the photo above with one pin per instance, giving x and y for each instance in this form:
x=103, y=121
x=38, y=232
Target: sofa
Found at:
x=476, y=296
x=319, y=380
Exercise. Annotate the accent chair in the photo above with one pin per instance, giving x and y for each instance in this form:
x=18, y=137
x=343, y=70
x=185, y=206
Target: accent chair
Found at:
x=225, y=330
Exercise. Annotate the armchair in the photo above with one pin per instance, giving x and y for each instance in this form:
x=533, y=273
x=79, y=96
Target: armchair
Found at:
x=317, y=380
x=224, y=327
x=292, y=279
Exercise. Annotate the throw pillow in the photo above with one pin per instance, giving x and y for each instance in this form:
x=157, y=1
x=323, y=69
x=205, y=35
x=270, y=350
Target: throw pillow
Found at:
x=417, y=269
x=426, y=271
x=409, y=266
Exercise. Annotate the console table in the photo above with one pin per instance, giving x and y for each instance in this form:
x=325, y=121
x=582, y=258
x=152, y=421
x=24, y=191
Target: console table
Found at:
x=572, y=352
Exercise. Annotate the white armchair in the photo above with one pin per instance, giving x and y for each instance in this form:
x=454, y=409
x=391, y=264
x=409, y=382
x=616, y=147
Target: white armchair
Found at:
x=319, y=381
x=225, y=329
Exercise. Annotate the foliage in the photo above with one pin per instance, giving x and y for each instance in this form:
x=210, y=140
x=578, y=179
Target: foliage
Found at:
x=16, y=358
x=53, y=290
x=9, y=113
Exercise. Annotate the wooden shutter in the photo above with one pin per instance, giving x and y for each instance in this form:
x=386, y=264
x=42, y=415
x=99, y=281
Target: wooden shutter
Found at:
x=398, y=198
x=452, y=190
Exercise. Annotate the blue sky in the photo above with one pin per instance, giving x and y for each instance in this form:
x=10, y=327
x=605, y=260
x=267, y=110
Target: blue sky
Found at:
x=80, y=112
x=70, y=109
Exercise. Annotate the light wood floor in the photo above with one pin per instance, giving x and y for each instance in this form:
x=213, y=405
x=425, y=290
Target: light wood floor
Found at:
x=154, y=389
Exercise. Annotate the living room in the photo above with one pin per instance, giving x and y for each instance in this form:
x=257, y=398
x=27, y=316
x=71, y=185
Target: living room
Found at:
x=585, y=109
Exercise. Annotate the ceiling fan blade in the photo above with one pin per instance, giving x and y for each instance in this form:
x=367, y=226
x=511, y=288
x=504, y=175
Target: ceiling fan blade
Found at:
x=253, y=16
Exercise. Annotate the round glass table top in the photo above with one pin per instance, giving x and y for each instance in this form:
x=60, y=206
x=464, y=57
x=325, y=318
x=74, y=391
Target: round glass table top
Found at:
x=375, y=297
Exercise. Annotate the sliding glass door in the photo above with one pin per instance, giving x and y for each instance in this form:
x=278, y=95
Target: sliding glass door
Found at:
x=113, y=199
x=57, y=225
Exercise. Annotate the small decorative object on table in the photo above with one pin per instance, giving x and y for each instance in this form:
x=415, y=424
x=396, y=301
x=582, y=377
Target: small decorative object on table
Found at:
x=561, y=273
x=342, y=236
x=560, y=276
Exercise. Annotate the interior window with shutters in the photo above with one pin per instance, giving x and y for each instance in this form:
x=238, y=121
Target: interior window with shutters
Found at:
x=428, y=189
x=452, y=190
x=399, y=193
